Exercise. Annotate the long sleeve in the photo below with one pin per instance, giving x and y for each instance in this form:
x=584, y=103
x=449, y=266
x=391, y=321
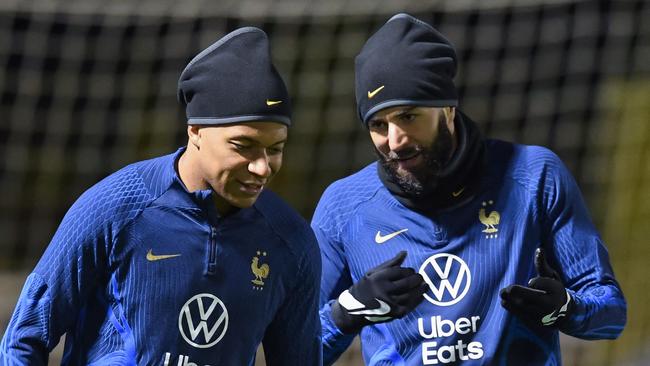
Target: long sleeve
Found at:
x=27, y=337
x=55, y=291
x=334, y=280
x=70, y=269
x=293, y=337
x=600, y=308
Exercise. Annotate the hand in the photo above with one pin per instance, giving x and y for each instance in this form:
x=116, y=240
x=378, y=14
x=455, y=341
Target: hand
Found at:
x=544, y=302
x=386, y=292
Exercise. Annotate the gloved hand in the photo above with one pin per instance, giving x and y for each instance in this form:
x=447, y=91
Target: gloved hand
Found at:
x=386, y=292
x=544, y=302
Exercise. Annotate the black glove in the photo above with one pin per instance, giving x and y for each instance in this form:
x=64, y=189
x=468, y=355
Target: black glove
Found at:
x=544, y=302
x=386, y=292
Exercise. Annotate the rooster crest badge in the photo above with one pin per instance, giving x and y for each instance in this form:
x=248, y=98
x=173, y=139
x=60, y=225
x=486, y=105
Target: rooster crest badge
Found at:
x=491, y=220
x=259, y=271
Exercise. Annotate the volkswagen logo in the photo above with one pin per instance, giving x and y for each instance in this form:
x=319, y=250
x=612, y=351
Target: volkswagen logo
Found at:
x=448, y=278
x=203, y=320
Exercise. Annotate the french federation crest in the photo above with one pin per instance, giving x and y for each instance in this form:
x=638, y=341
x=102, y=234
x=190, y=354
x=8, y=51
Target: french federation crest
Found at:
x=260, y=271
x=491, y=220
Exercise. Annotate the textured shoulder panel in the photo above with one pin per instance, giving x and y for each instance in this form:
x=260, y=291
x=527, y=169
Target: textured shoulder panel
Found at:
x=116, y=199
x=536, y=169
x=341, y=199
x=531, y=166
x=526, y=164
x=158, y=173
x=283, y=219
x=83, y=240
x=291, y=228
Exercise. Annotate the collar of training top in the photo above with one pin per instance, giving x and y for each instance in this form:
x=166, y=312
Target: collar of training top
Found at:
x=458, y=181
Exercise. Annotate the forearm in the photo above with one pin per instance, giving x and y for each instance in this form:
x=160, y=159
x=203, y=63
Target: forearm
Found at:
x=333, y=340
x=293, y=338
x=599, y=313
x=27, y=338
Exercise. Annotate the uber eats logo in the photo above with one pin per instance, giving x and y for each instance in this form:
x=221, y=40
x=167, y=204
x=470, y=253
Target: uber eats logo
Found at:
x=444, y=340
x=203, y=320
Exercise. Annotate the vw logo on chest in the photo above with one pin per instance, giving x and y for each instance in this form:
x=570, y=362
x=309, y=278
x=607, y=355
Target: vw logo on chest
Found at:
x=203, y=320
x=448, y=277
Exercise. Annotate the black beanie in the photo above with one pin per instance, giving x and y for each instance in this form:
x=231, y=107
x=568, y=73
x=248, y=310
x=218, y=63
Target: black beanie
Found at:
x=234, y=81
x=406, y=62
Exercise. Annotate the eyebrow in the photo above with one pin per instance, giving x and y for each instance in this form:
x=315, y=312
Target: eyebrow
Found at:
x=253, y=141
x=398, y=113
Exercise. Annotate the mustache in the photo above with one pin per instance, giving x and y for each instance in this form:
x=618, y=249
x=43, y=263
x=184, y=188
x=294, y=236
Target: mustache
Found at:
x=403, y=154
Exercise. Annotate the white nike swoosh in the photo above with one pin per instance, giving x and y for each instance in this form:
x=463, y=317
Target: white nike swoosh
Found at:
x=549, y=319
x=376, y=319
x=379, y=239
x=356, y=307
x=383, y=309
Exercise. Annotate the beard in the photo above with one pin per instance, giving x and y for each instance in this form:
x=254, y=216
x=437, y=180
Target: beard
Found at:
x=423, y=179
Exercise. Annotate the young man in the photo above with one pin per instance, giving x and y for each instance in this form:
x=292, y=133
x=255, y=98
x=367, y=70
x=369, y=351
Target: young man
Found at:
x=185, y=259
x=486, y=225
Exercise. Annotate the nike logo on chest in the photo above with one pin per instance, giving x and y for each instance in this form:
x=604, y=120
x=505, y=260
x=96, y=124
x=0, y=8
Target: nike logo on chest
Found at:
x=152, y=257
x=379, y=239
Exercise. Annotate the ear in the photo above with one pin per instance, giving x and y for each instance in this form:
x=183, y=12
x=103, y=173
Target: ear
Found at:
x=450, y=114
x=194, y=134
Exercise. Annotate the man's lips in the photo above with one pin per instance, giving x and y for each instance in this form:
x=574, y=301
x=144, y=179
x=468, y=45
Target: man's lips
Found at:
x=408, y=157
x=409, y=162
x=251, y=187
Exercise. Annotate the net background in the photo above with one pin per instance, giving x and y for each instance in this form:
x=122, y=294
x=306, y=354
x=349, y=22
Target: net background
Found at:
x=88, y=87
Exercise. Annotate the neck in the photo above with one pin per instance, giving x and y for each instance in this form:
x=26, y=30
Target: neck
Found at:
x=461, y=173
x=189, y=172
x=454, y=146
x=223, y=207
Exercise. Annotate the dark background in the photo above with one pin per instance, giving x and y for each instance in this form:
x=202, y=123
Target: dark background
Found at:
x=88, y=87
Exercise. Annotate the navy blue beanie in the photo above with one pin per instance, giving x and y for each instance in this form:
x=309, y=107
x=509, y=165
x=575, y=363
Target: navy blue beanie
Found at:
x=234, y=81
x=406, y=62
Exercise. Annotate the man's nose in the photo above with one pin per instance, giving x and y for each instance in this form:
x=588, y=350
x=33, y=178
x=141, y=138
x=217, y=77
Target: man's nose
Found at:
x=397, y=137
x=260, y=166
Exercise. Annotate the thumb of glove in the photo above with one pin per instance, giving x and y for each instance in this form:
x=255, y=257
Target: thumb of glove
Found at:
x=542, y=266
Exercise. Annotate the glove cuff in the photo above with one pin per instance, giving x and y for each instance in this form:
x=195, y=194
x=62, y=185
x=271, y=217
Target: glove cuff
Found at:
x=347, y=324
x=558, y=318
x=567, y=309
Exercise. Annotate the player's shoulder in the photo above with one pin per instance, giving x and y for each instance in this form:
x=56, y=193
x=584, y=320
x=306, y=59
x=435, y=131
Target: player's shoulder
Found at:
x=537, y=161
x=533, y=155
x=353, y=189
x=290, y=227
x=277, y=211
x=155, y=174
x=530, y=166
x=106, y=207
x=515, y=156
x=344, y=198
x=283, y=219
x=130, y=187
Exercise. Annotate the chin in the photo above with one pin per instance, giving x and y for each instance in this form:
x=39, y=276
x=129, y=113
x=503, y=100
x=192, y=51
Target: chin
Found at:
x=244, y=202
x=406, y=175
